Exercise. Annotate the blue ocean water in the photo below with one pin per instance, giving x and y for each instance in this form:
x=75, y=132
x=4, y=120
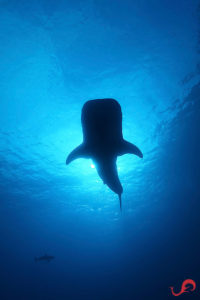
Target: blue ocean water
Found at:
x=54, y=56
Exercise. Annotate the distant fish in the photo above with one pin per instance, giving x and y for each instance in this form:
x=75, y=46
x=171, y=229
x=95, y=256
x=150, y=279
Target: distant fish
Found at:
x=46, y=257
x=103, y=140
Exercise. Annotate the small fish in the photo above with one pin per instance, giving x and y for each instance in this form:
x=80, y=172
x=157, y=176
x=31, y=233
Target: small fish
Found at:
x=45, y=257
x=103, y=140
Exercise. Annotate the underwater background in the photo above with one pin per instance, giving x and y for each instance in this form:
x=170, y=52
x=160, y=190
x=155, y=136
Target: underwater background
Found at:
x=54, y=56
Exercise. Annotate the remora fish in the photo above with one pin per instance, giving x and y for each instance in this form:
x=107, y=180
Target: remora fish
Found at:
x=103, y=140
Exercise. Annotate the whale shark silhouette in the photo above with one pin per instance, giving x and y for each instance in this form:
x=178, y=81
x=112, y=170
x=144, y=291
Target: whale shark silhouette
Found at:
x=103, y=140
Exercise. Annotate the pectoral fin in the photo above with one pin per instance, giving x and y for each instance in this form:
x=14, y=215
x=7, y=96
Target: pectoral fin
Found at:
x=126, y=147
x=80, y=152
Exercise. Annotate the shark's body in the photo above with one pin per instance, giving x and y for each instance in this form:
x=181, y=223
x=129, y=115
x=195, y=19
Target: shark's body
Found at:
x=103, y=140
x=45, y=257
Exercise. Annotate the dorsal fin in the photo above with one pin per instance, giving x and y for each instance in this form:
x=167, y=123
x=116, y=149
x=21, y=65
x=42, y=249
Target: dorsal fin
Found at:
x=79, y=152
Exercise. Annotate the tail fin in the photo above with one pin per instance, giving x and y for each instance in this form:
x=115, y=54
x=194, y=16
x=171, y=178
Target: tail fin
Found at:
x=78, y=152
x=127, y=147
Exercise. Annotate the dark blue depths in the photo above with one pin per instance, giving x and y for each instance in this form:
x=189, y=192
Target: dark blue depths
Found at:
x=56, y=55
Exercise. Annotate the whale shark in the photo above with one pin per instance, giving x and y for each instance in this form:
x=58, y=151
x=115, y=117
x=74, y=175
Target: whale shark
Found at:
x=103, y=140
